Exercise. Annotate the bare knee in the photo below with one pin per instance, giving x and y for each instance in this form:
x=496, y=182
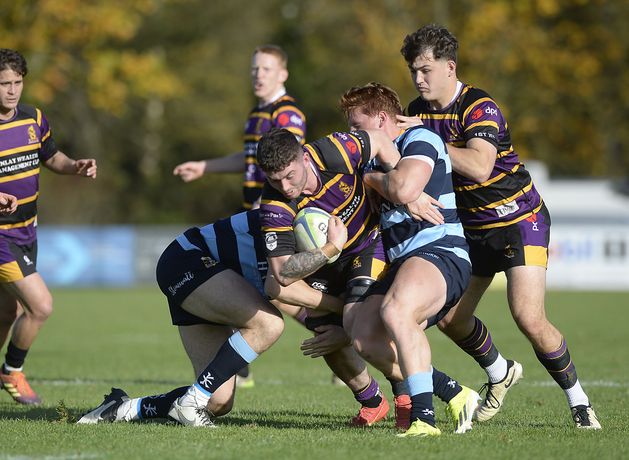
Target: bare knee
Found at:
x=268, y=327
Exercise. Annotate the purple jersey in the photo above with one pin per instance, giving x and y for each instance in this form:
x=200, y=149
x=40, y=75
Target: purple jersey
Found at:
x=337, y=159
x=25, y=142
x=281, y=113
x=508, y=196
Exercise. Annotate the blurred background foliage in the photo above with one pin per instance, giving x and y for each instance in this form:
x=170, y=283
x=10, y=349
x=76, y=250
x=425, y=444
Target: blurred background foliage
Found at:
x=143, y=85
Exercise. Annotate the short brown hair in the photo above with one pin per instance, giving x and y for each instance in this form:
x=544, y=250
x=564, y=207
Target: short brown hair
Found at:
x=433, y=38
x=10, y=59
x=371, y=99
x=276, y=150
x=274, y=50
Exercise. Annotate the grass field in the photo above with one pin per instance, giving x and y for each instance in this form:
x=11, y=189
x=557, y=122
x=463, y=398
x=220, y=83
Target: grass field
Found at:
x=102, y=338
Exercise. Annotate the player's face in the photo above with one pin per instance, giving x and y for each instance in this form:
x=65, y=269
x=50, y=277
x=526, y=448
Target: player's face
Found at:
x=11, y=84
x=433, y=78
x=268, y=76
x=360, y=120
x=291, y=181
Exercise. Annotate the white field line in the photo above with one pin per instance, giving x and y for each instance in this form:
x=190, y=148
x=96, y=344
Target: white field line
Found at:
x=80, y=382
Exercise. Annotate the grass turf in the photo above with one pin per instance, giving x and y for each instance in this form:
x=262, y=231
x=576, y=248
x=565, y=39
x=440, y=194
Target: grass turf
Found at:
x=102, y=338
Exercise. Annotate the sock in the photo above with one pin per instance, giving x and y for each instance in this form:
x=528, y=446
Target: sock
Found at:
x=398, y=387
x=15, y=357
x=480, y=347
x=156, y=406
x=244, y=372
x=233, y=355
x=576, y=396
x=559, y=365
x=420, y=390
x=370, y=396
x=444, y=386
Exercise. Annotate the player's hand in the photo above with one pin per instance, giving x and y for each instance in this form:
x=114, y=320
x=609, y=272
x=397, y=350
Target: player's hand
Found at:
x=425, y=208
x=328, y=339
x=8, y=204
x=337, y=233
x=405, y=122
x=86, y=168
x=190, y=170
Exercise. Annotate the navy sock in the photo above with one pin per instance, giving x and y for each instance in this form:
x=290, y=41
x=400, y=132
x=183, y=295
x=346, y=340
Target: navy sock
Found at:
x=157, y=406
x=559, y=365
x=422, y=408
x=479, y=345
x=444, y=386
x=369, y=396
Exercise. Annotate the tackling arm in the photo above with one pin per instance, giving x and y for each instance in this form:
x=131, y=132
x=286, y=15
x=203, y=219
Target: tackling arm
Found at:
x=475, y=161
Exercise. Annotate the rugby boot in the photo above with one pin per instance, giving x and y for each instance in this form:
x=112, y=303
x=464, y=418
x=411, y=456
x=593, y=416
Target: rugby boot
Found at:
x=367, y=416
x=495, y=393
x=461, y=409
x=585, y=418
x=17, y=386
x=420, y=428
x=402, y=412
x=107, y=411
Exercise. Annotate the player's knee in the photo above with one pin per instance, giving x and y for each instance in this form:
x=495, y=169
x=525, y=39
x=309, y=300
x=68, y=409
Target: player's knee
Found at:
x=391, y=314
x=532, y=327
x=271, y=326
x=41, y=310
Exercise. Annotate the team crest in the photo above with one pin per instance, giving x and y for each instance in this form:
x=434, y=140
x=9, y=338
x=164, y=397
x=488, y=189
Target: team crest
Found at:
x=346, y=189
x=270, y=239
x=356, y=263
x=208, y=262
x=509, y=252
x=32, y=135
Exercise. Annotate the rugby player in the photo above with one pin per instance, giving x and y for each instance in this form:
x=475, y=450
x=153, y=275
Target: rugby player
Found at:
x=507, y=225
x=25, y=144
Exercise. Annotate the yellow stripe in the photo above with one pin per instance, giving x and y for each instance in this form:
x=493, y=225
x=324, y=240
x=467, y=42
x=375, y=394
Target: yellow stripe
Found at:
x=33, y=172
x=264, y=115
x=493, y=124
x=377, y=268
x=24, y=148
x=343, y=153
x=504, y=224
x=252, y=137
x=39, y=116
x=328, y=185
x=501, y=202
x=536, y=255
x=281, y=204
x=314, y=156
x=10, y=272
x=439, y=116
x=292, y=108
x=26, y=223
x=489, y=182
x=476, y=104
x=349, y=198
x=358, y=233
x=251, y=160
x=28, y=199
x=15, y=124
x=253, y=184
x=297, y=132
x=277, y=229
x=45, y=136
x=506, y=152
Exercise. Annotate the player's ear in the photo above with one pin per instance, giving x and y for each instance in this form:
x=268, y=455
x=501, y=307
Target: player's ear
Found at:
x=451, y=68
x=283, y=76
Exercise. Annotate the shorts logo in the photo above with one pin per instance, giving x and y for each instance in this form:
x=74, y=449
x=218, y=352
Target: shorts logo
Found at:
x=208, y=262
x=533, y=221
x=270, y=239
x=28, y=261
x=319, y=286
x=509, y=252
x=188, y=276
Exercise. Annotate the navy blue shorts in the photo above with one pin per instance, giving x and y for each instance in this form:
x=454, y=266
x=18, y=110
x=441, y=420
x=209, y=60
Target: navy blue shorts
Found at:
x=179, y=272
x=17, y=261
x=455, y=271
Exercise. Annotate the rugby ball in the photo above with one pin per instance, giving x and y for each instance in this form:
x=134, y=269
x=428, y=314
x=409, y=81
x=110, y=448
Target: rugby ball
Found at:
x=311, y=230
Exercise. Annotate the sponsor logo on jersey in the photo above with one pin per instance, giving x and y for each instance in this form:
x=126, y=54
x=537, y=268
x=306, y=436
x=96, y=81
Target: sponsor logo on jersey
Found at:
x=32, y=135
x=283, y=119
x=296, y=120
x=351, y=147
x=507, y=208
x=476, y=114
x=491, y=111
x=270, y=239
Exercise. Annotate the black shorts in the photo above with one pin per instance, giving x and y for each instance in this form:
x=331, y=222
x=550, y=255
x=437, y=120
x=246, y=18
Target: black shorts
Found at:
x=17, y=261
x=332, y=278
x=522, y=243
x=179, y=272
x=455, y=270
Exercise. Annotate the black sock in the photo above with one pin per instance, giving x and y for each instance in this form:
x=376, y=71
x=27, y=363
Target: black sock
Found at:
x=225, y=364
x=15, y=356
x=423, y=408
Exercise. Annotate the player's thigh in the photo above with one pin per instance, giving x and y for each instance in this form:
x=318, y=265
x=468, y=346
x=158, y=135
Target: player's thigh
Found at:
x=526, y=288
x=32, y=293
x=419, y=289
x=227, y=298
x=466, y=306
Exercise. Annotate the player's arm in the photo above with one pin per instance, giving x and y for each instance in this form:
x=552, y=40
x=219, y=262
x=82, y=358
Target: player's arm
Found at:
x=302, y=295
x=62, y=164
x=474, y=161
x=382, y=148
x=192, y=170
x=290, y=268
x=403, y=184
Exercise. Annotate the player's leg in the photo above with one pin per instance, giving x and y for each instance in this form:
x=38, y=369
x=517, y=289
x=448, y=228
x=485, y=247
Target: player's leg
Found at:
x=417, y=292
x=226, y=298
x=526, y=287
x=36, y=301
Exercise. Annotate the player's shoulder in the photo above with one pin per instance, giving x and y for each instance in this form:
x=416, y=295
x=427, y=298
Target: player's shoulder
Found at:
x=285, y=101
x=25, y=111
x=470, y=95
x=416, y=106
